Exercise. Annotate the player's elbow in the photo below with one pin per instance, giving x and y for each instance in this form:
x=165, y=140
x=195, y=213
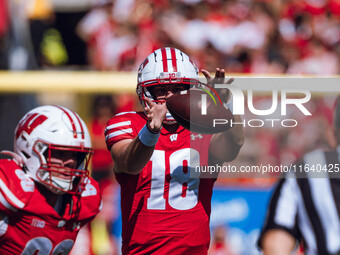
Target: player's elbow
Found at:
x=132, y=168
x=135, y=162
x=234, y=149
x=232, y=155
x=225, y=148
x=239, y=141
x=127, y=167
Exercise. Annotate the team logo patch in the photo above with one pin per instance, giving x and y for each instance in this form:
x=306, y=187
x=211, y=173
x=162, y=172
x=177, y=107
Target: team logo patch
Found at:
x=173, y=137
x=30, y=122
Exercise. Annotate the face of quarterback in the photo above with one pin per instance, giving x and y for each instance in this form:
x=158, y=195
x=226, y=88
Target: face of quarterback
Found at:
x=165, y=91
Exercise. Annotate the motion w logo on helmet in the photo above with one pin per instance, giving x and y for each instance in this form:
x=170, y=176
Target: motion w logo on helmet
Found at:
x=30, y=123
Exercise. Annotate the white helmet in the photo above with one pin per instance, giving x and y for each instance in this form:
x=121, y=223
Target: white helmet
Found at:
x=163, y=67
x=47, y=129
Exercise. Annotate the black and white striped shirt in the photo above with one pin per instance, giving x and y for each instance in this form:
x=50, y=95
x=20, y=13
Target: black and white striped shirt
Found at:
x=307, y=204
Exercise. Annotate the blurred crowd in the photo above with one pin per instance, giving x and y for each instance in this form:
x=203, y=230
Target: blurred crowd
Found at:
x=246, y=36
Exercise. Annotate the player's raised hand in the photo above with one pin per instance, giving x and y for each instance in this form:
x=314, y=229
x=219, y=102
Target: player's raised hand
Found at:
x=156, y=114
x=218, y=79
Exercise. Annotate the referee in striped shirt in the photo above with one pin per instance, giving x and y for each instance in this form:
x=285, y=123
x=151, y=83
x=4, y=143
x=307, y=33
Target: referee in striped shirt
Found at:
x=305, y=206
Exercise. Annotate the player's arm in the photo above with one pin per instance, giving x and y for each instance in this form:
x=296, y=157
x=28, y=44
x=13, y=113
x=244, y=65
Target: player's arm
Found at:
x=16, y=190
x=225, y=146
x=131, y=155
x=278, y=242
x=3, y=223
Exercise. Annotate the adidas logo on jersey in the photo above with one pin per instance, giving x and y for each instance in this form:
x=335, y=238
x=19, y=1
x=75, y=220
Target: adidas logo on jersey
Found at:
x=38, y=223
x=173, y=137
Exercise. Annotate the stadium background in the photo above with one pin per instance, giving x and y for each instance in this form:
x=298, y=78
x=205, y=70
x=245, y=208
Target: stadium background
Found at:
x=72, y=52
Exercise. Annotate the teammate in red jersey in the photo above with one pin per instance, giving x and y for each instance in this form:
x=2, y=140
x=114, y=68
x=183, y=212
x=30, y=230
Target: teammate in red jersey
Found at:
x=164, y=209
x=46, y=194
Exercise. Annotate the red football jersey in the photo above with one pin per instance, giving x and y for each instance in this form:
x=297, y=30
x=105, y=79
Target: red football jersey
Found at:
x=164, y=211
x=34, y=227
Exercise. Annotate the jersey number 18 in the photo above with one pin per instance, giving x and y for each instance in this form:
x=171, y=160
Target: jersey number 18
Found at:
x=179, y=179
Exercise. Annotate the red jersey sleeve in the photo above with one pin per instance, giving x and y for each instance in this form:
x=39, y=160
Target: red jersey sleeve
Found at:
x=120, y=127
x=91, y=201
x=16, y=188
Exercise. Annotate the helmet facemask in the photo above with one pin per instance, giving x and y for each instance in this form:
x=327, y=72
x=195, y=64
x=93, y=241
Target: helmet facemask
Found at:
x=148, y=91
x=58, y=178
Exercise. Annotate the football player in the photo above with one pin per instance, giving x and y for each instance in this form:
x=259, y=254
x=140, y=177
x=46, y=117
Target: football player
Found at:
x=164, y=210
x=46, y=194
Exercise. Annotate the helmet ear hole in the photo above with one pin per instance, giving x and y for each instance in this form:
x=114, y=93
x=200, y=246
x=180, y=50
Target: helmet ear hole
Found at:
x=26, y=155
x=46, y=154
x=81, y=157
x=149, y=92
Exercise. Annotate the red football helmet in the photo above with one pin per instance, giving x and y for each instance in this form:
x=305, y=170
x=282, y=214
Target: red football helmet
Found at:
x=163, y=67
x=47, y=130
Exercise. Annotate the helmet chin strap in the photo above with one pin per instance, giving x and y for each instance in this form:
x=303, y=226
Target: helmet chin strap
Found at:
x=60, y=185
x=54, y=190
